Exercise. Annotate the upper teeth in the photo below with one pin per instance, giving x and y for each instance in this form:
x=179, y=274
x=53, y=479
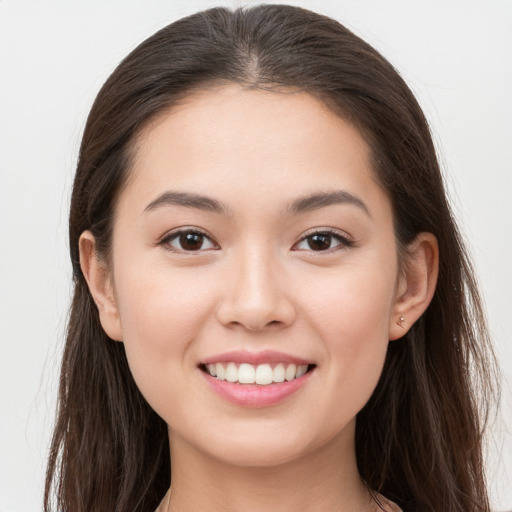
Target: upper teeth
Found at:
x=261, y=374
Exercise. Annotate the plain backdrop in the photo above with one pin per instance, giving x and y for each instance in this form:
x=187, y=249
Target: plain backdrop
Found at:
x=54, y=56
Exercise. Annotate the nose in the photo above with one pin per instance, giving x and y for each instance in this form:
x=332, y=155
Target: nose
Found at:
x=254, y=295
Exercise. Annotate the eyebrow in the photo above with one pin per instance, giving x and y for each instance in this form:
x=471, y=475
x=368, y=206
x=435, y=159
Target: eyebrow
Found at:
x=188, y=200
x=323, y=199
x=301, y=205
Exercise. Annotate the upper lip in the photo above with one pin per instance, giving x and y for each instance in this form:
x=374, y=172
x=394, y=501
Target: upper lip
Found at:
x=255, y=358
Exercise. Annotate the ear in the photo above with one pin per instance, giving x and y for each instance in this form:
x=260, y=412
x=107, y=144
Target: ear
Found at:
x=99, y=280
x=416, y=284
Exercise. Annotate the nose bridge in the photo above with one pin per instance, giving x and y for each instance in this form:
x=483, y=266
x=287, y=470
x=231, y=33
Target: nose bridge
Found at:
x=255, y=296
x=256, y=280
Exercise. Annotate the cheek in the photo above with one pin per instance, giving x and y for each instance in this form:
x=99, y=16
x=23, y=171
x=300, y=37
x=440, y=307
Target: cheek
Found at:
x=161, y=303
x=161, y=312
x=351, y=315
x=351, y=304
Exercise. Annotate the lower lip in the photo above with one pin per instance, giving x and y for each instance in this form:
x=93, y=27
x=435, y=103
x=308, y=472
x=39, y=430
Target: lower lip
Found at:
x=255, y=395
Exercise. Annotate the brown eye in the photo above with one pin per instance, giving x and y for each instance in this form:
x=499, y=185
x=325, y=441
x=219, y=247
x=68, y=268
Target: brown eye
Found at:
x=188, y=241
x=319, y=241
x=191, y=241
x=324, y=241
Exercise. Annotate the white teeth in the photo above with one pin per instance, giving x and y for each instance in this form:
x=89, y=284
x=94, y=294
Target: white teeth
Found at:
x=219, y=370
x=279, y=373
x=301, y=370
x=291, y=371
x=231, y=372
x=246, y=374
x=262, y=374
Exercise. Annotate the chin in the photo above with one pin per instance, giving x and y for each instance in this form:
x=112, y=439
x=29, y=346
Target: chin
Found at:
x=270, y=445
x=261, y=455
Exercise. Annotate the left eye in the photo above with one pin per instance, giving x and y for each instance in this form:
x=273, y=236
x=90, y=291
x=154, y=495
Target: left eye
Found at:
x=322, y=241
x=188, y=241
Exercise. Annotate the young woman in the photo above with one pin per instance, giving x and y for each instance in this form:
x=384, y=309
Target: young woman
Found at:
x=273, y=308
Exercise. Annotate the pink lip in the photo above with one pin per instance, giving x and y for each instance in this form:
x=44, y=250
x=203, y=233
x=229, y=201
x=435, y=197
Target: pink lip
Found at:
x=254, y=395
x=265, y=356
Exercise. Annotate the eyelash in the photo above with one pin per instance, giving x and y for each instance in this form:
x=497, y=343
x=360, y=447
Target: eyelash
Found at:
x=165, y=242
x=344, y=241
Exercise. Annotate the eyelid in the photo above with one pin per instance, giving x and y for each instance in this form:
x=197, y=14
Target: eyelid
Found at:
x=345, y=239
x=171, y=235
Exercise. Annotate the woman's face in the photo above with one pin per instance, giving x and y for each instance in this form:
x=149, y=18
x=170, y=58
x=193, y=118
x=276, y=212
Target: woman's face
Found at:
x=252, y=240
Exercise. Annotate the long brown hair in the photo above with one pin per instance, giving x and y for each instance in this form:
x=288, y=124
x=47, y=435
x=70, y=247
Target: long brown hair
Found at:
x=419, y=438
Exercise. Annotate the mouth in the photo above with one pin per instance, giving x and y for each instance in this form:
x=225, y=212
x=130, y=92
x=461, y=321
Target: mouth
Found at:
x=256, y=379
x=264, y=374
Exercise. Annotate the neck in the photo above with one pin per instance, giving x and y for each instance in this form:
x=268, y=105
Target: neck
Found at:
x=323, y=480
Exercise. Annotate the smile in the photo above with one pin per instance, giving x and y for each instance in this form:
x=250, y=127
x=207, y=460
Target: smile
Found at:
x=261, y=374
x=260, y=379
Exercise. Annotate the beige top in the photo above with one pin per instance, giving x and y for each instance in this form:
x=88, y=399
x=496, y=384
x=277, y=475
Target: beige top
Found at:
x=389, y=506
x=164, y=504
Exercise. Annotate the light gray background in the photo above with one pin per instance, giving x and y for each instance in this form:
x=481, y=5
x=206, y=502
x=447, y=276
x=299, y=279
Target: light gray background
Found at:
x=54, y=56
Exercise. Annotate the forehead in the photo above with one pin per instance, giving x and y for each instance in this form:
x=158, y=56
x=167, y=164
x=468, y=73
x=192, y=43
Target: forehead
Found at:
x=220, y=117
x=230, y=140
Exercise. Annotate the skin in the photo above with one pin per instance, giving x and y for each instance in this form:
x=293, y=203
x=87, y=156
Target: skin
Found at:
x=256, y=284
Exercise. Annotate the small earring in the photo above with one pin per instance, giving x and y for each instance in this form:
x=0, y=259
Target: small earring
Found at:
x=401, y=321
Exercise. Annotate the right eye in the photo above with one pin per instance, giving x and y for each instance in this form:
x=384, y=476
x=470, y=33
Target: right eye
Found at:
x=188, y=240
